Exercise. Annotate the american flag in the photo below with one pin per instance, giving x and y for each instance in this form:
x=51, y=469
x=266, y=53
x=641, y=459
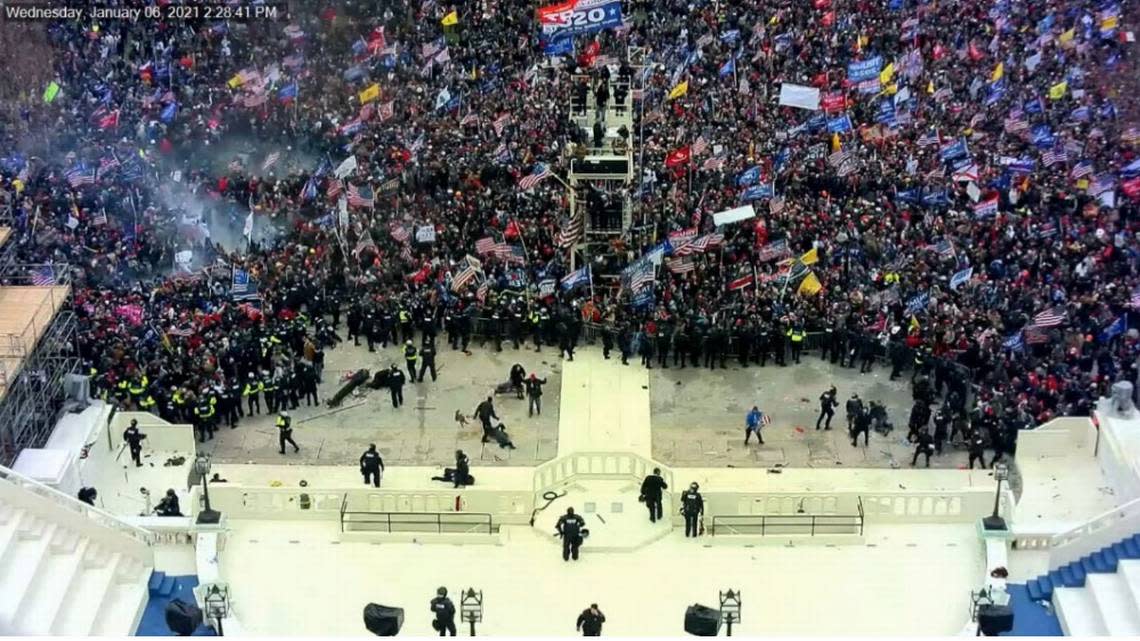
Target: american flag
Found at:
x=502, y=154
x=1035, y=335
x=776, y=205
x=537, y=175
x=180, y=332
x=682, y=236
x=334, y=188
x=80, y=175
x=99, y=218
x=943, y=248
x=713, y=164
x=570, y=233
x=107, y=165
x=838, y=158
x=1081, y=169
x=639, y=275
x=682, y=266
x=1101, y=184
x=463, y=278
x=700, y=146
x=1053, y=156
x=501, y=250
x=399, y=232
x=485, y=245
x=364, y=244
x=270, y=160
x=484, y=288
x=406, y=253
x=1135, y=301
x=500, y=124
x=1049, y=318
x=928, y=138
x=469, y=119
x=701, y=244
x=43, y=276
x=360, y=196
x=773, y=250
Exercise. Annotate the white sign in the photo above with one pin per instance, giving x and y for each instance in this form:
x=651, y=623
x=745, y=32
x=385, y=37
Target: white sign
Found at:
x=184, y=257
x=346, y=167
x=730, y=216
x=799, y=96
x=425, y=234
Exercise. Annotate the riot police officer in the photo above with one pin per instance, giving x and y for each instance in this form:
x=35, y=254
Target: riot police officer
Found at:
x=444, y=611
x=134, y=438
x=427, y=359
x=692, y=506
x=570, y=527
x=411, y=355
x=371, y=465
x=285, y=432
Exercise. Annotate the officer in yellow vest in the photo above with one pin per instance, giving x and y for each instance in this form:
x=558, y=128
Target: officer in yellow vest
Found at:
x=285, y=432
x=410, y=357
x=147, y=404
x=796, y=336
x=269, y=390
x=252, y=394
x=204, y=413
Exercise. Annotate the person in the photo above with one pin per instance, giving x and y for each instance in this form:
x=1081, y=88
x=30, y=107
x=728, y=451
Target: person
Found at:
x=854, y=406
x=570, y=527
x=753, y=423
x=924, y=445
x=427, y=358
x=827, y=405
x=517, y=378
x=534, y=394
x=88, y=495
x=411, y=355
x=134, y=439
x=396, y=386
x=168, y=506
x=371, y=465
x=500, y=436
x=941, y=428
x=590, y=621
x=285, y=432
x=444, y=611
x=462, y=469
x=862, y=425
x=693, y=507
x=652, y=489
x=252, y=393
x=977, y=448
x=485, y=411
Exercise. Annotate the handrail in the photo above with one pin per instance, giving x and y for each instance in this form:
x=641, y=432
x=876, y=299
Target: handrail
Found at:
x=422, y=518
x=814, y=522
x=1096, y=523
x=343, y=507
x=97, y=515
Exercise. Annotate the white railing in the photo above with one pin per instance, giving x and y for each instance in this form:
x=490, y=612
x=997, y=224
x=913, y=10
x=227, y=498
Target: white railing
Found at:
x=1100, y=531
x=97, y=516
x=598, y=465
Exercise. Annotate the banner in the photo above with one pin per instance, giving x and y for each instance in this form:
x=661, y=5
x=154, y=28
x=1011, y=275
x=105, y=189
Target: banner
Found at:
x=799, y=96
x=864, y=69
x=578, y=17
x=734, y=215
x=425, y=234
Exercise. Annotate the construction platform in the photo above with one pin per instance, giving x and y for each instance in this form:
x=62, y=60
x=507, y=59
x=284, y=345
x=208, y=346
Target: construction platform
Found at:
x=26, y=313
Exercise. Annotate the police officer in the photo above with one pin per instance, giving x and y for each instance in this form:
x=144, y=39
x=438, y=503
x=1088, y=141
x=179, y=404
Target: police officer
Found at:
x=827, y=405
x=427, y=359
x=692, y=506
x=396, y=386
x=854, y=406
x=134, y=438
x=796, y=336
x=570, y=527
x=407, y=328
x=371, y=465
x=285, y=432
x=763, y=344
x=252, y=394
x=590, y=621
x=411, y=355
x=236, y=411
x=924, y=446
x=354, y=319
x=941, y=427
x=204, y=412
x=444, y=611
x=168, y=506
x=462, y=468
x=977, y=448
x=652, y=488
x=862, y=425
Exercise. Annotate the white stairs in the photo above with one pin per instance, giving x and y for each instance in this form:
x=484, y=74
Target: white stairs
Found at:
x=62, y=573
x=1108, y=604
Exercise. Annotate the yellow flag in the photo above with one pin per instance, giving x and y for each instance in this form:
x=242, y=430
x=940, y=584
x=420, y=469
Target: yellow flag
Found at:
x=887, y=73
x=680, y=90
x=998, y=73
x=450, y=20
x=1110, y=22
x=835, y=144
x=1083, y=183
x=913, y=323
x=370, y=94
x=862, y=41
x=930, y=87
x=234, y=82
x=811, y=257
x=774, y=19
x=810, y=285
x=1057, y=91
x=1067, y=36
x=891, y=89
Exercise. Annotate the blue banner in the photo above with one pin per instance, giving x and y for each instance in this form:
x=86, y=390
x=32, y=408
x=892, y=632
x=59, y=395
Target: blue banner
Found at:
x=839, y=125
x=864, y=69
x=586, y=17
x=562, y=46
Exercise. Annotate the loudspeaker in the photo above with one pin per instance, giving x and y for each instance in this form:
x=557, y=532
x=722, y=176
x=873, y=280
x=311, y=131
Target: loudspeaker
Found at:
x=183, y=618
x=702, y=621
x=382, y=620
x=995, y=619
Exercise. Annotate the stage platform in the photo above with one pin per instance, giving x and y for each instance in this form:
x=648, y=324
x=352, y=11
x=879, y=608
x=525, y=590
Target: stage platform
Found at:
x=25, y=315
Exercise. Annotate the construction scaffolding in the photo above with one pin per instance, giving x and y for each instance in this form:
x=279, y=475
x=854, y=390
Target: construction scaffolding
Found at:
x=37, y=353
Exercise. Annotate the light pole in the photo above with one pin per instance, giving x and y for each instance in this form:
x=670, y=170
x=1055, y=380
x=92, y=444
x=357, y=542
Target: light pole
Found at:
x=730, y=609
x=207, y=516
x=471, y=607
x=994, y=521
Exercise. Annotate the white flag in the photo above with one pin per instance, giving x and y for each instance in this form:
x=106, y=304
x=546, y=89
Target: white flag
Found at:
x=248, y=231
x=346, y=167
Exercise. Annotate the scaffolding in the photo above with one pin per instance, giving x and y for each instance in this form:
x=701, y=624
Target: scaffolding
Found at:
x=38, y=360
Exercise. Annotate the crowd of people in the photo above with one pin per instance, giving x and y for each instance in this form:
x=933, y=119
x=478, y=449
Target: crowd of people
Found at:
x=966, y=211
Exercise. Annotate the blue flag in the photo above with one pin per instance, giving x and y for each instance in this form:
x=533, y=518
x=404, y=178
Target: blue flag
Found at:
x=728, y=68
x=750, y=176
x=756, y=192
x=169, y=112
x=1118, y=327
x=288, y=92
x=839, y=125
x=960, y=278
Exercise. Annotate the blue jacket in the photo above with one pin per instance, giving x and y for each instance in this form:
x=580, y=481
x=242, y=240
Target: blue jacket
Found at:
x=752, y=421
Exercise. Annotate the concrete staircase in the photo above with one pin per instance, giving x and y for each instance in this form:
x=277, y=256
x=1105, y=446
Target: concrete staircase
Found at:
x=62, y=573
x=1098, y=594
